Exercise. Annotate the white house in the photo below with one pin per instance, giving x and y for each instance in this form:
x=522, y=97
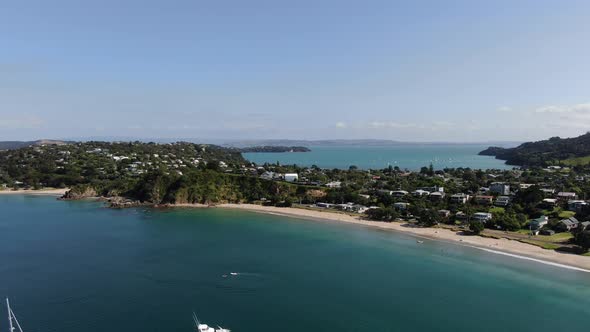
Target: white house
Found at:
x=291, y=177
x=500, y=188
x=399, y=193
x=459, y=198
x=567, y=195
x=420, y=193
x=334, y=184
x=482, y=216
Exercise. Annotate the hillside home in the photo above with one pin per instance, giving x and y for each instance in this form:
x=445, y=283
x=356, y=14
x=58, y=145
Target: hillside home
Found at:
x=399, y=193
x=420, y=193
x=334, y=184
x=500, y=188
x=568, y=224
x=566, y=196
x=433, y=189
x=482, y=216
x=436, y=196
x=291, y=177
x=459, y=198
x=502, y=201
x=484, y=200
x=537, y=224
x=576, y=205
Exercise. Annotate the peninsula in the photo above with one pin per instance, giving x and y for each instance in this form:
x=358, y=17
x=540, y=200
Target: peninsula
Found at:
x=537, y=206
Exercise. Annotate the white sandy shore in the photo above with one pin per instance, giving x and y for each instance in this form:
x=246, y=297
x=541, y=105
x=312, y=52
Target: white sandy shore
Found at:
x=47, y=191
x=498, y=246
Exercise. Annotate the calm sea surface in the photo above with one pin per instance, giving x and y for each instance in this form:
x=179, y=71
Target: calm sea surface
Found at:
x=412, y=157
x=76, y=266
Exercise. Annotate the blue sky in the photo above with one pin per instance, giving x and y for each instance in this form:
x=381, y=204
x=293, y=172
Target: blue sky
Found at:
x=403, y=70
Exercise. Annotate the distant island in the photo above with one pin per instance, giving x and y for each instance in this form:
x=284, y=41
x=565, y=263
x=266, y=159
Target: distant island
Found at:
x=553, y=151
x=10, y=145
x=276, y=149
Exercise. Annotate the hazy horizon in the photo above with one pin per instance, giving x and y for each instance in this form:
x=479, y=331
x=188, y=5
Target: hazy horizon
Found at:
x=250, y=140
x=457, y=71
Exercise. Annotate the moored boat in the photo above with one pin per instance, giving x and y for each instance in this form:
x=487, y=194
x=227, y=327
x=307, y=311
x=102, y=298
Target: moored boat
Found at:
x=206, y=328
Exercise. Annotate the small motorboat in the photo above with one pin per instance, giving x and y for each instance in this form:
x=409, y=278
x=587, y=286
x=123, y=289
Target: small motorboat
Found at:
x=234, y=273
x=419, y=241
x=206, y=328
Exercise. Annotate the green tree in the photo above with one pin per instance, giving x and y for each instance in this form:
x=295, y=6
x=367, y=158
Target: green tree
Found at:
x=428, y=218
x=476, y=227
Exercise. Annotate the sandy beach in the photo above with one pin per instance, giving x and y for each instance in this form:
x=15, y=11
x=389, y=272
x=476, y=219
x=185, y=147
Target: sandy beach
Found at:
x=47, y=191
x=498, y=246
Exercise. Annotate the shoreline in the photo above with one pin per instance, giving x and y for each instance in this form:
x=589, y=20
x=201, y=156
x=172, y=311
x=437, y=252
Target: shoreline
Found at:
x=46, y=191
x=502, y=246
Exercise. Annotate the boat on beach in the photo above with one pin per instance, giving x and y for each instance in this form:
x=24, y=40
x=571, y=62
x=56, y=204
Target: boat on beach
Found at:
x=206, y=328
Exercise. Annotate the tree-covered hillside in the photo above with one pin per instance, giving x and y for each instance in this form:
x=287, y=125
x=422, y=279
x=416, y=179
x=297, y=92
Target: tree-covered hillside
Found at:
x=553, y=151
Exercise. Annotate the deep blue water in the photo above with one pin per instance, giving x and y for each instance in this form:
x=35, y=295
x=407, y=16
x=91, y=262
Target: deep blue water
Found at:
x=76, y=266
x=412, y=157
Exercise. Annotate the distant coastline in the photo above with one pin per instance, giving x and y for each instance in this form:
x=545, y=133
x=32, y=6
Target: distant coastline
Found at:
x=274, y=149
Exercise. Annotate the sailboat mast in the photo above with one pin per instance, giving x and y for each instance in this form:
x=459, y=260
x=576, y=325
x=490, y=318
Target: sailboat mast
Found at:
x=9, y=315
x=12, y=317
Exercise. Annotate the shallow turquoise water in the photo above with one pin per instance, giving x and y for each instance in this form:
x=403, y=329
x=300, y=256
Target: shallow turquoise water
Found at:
x=412, y=157
x=76, y=266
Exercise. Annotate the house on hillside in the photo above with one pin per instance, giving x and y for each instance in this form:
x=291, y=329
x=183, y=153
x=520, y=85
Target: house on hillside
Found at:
x=482, y=216
x=334, y=184
x=433, y=189
x=420, y=193
x=500, y=188
x=502, y=201
x=484, y=199
x=268, y=175
x=537, y=224
x=436, y=196
x=576, y=205
x=459, y=198
x=399, y=193
x=566, y=225
x=566, y=196
x=291, y=177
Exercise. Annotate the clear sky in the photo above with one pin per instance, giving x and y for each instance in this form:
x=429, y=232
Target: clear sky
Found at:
x=405, y=70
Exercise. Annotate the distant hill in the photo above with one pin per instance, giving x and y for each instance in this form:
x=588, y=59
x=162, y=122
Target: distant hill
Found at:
x=11, y=145
x=345, y=142
x=273, y=148
x=553, y=151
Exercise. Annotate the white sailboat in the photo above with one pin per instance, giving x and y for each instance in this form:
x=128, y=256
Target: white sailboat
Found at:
x=13, y=322
x=206, y=328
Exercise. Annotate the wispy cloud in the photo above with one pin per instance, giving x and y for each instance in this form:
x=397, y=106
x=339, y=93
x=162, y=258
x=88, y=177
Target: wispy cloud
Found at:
x=391, y=125
x=409, y=125
x=564, y=108
x=341, y=125
x=21, y=122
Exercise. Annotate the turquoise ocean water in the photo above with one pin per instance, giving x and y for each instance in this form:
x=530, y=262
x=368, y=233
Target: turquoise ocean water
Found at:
x=77, y=266
x=411, y=157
